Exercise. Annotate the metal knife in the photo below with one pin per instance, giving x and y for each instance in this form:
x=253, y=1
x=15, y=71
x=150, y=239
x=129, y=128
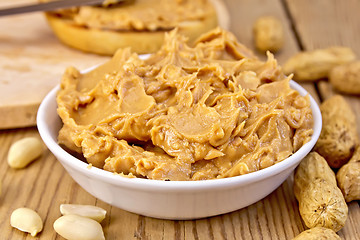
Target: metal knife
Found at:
x=48, y=6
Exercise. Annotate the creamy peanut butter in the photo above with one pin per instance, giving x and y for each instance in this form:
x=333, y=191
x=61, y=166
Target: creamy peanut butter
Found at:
x=185, y=113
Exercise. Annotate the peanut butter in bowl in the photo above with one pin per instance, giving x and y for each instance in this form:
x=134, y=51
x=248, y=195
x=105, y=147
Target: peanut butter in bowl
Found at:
x=184, y=113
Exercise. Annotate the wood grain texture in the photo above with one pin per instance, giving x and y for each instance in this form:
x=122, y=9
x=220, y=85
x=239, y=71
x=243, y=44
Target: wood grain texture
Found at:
x=44, y=185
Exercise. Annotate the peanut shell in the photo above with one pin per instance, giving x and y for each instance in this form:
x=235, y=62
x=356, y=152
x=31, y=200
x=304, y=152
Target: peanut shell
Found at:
x=321, y=204
x=312, y=167
x=316, y=64
x=346, y=78
x=348, y=178
x=338, y=137
x=318, y=233
x=268, y=34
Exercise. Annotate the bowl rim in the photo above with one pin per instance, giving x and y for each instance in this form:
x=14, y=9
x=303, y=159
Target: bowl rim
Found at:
x=174, y=186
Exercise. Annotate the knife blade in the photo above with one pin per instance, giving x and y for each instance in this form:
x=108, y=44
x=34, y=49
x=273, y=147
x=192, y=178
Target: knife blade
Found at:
x=48, y=6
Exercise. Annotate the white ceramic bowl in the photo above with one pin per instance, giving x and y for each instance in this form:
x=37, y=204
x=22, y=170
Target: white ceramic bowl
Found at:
x=172, y=199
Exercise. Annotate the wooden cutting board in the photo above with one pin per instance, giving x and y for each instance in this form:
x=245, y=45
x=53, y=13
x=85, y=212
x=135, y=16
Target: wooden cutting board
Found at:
x=32, y=61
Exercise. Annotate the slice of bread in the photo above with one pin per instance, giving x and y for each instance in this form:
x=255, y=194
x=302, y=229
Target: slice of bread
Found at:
x=106, y=42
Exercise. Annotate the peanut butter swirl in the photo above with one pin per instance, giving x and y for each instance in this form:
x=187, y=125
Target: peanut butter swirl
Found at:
x=184, y=113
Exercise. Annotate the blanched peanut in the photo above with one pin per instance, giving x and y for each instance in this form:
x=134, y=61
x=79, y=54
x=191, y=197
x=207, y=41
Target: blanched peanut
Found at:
x=26, y=220
x=74, y=227
x=268, y=34
x=24, y=151
x=318, y=233
x=314, y=65
x=89, y=211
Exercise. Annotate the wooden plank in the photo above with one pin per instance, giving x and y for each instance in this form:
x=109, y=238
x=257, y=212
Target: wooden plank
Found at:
x=324, y=23
x=337, y=23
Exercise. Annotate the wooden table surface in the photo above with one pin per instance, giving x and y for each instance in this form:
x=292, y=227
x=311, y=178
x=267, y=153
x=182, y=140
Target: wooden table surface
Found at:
x=44, y=185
